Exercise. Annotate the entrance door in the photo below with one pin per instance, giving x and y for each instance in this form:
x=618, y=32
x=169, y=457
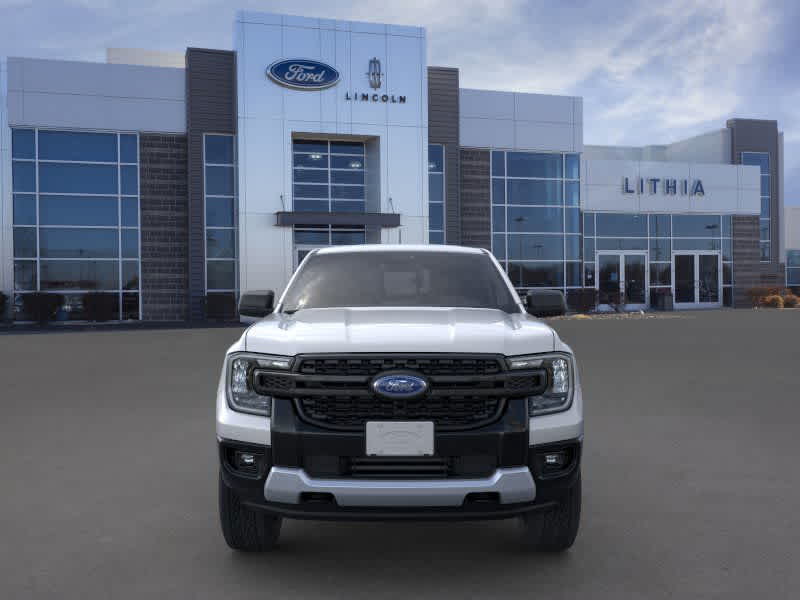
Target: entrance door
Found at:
x=697, y=279
x=622, y=280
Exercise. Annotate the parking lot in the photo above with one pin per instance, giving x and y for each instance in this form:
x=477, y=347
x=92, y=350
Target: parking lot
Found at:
x=691, y=476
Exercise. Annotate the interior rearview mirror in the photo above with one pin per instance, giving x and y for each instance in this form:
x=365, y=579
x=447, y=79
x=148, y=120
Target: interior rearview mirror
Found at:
x=546, y=303
x=257, y=304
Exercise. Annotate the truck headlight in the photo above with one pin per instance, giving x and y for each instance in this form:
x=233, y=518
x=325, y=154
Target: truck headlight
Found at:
x=241, y=395
x=560, y=381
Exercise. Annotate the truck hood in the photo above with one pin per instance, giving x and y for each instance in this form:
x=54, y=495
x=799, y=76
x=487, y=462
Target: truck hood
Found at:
x=340, y=330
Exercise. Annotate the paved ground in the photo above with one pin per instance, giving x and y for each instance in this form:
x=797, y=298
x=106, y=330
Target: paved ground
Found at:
x=691, y=477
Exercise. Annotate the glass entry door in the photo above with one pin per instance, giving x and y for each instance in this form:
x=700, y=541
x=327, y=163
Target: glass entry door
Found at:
x=697, y=279
x=622, y=280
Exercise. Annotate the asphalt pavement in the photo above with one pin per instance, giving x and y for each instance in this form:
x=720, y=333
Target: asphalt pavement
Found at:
x=691, y=476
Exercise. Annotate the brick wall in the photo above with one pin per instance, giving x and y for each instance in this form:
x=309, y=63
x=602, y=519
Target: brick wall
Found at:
x=476, y=218
x=746, y=266
x=165, y=231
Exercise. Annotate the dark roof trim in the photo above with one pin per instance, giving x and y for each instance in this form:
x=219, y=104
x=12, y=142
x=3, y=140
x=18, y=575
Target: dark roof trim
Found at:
x=287, y=219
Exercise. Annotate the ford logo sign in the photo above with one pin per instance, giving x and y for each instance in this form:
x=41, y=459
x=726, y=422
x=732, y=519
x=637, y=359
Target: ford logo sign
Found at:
x=303, y=74
x=399, y=386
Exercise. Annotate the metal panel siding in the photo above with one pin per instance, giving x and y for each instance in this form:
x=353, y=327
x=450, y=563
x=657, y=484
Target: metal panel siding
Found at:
x=443, y=128
x=746, y=253
x=210, y=108
x=475, y=199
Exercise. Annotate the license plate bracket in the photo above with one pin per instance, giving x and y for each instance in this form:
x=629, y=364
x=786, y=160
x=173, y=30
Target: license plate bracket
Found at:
x=399, y=438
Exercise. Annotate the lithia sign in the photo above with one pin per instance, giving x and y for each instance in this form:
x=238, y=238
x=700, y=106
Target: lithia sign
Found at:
x=306, y=74
x=667, y=186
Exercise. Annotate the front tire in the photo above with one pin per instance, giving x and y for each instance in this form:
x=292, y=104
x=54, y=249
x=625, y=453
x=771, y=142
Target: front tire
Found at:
x=554, y=530
x=246, y=529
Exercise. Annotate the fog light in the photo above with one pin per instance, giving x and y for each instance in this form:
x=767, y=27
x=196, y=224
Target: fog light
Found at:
x=245, y=460
x=557, y=459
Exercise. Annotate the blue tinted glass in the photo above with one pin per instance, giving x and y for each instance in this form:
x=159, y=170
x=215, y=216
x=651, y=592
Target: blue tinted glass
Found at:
x=759, y=159
x=588, y=272
x=588, y=249
x=311, y=175
x=24, y=209
x=129, y=176
x=347, y=148
x=75, y=145
x=764, y=229
x=23, y=144
x=765, y=250
x=530, y=164
x=78, y=243
x=130, y=275
x=219, y=149
x=24, y=275
x=220, y=275
x=621, y=244
x=498, y=163
x=498, y=218
x=540, y=220
x=696, y=225
x=793, y=258
x=130, y=212
x=588, y=224
x=572, y=220
x=347, y=192
x=436, y=187
x=765, y=185
x=77, y=179
x=77, y=210
x=130, y=243
x=660, y=274
x=320, y=161
x=535, y=247
x=695, y=244
x=220, y=243
x=727, y=225
x=727, y=274
x=23, y=176
x=435, y=158
x=573, y=166
x=572, y=190
x=310, y=191
x=727, y=249
x=660, y=226
x=353, y=177
x=436, y=237
x=572, y=246
x=311, y=237
x=532, y=274
x=498, y=191
x=347, y=237
x=219, y=212
x=499, y=246
x=660, y=249
x=765, y=208
x=340, y=162
x=436, y=216
x=219, y=181
x=573, y=274
x=311, y=205
x=80, y=275
x=128, y=149
x=130, y=306
x=25, y=242
x=631, y=225
x=793, y=277
x=309, y=146
x=348, y=206
x=522, y=191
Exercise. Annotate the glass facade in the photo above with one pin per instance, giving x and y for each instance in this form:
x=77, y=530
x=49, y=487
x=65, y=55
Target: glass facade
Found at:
x=328, y=176
x=436, y=194
x=761, y=160
x=76, y=218
x=536, y=225
x=793, y=268
x=219, y=159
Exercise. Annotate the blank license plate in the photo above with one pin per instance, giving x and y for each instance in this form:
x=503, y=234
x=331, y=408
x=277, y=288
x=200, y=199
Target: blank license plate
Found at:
x=399, y=438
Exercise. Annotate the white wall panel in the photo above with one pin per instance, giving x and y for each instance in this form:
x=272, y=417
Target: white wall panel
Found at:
x=363, y=47
x=540, y=135
x=541, y=107
x=486, y=133
x=486, y=104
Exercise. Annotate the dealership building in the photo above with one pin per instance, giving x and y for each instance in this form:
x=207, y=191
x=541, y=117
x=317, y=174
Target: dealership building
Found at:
x=173, y=181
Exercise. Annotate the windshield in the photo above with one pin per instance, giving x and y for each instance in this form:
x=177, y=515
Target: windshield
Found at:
x=399, y=278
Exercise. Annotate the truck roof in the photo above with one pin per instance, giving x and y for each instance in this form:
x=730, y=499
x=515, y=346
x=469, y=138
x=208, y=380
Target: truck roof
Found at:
x=399, y=248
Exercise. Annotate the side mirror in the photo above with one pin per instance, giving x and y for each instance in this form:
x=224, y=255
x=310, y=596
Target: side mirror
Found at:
x=256, y=305
x=546, y=303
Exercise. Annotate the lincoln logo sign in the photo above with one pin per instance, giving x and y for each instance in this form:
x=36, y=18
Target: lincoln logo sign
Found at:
x=302, y=74
x=667, y=186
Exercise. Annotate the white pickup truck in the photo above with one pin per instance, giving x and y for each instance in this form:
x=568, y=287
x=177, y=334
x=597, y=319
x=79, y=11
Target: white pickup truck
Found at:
x=399, y=382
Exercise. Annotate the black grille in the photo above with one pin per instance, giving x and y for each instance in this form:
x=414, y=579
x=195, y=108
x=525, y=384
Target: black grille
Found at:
x=430, y=366
x=399, y=468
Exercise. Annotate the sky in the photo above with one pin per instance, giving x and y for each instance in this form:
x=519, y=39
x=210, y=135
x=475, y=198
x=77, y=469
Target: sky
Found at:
x=649, y=72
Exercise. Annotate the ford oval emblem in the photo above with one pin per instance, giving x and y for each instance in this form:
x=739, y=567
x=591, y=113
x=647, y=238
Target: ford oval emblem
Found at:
x=399, y=386
x=303, y=74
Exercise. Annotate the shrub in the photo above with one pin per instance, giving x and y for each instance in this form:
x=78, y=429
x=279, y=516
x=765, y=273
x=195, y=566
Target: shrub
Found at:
x=790, y=301
x=99, y=306
x=41, y=306
x=773, y=301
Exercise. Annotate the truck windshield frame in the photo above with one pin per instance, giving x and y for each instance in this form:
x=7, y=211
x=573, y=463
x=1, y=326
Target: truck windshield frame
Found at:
x=398, y=279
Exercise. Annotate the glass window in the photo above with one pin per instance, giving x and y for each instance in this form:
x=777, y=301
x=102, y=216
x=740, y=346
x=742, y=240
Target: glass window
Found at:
x=310, y=191
x=765, y=191
x=535, y=219
x=320, y=161
x=23, y=176
x=572, y=247
x=660, y=249
x=696, y=225
x=498, y=163
x=727, y=226
x=588, y=274
x=340, y=162
x=311, y=205
x=765, y=250
x=25, y=242
x=498, y=191
x=24, y=209
x=312, y=146
x=588, y=249
x=536, y=274
x=347, y=237
x=793, y=258
x=221, y=275
x=499, y=246
x=535, y=247
x=727, y=297
x=436, y=193
x=25, y=275
x=357, y=177
x=56, y=242
x=727, y=273
x=219, y=212
x=128, y=148
x=759, y=159
x=621, y=243
x=79, y=275
x=765, y=207
x=727, y=249
x=572, y=193
x=311, y=237
x=129, y=176
x=219, y=149
x=130, y=275
x=312, y=175
x=220, y=243
x=23, y=143
x=573, y=166
x=660, y=274
x=219, y=181
x=78, y=146
x=588, y=224
x=572, y=220
x=695, y=244
x=530, y=164
x=498, y=218
x=528, y=191
x=130, y=212
x=660, y=226
x=435, y=158
x=347, y=192
x=436, y=216
x=622, y=225
x=347, y=148
x=573, y=274
x=66, y=178
x=347, y=206
x=130, y=306
x=77, y=210
x=130, y=243
x=763, y=229
x=436, y=237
